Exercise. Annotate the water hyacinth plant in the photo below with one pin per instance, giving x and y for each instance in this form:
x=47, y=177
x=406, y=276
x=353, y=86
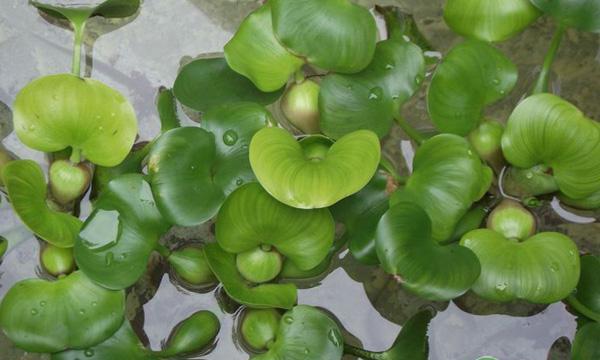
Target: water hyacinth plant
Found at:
x=276, y=150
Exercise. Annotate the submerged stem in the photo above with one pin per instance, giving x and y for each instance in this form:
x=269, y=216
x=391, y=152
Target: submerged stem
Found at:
x=541, y=85
x=79, y=29
x=410, y=131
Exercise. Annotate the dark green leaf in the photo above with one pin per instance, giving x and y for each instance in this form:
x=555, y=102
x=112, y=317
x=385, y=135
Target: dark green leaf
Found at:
x=586, y=345
x=580, y=14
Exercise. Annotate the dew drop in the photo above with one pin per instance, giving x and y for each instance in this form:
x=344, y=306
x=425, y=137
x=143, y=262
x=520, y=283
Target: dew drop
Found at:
x=89, y=353
x=34, y=312
x=502, y=92
x=193, y=167
x=124, y=256
x=239, y=182
x=496, y=81
x=554, y=267
x=42, y=303
x=470, y=153
x=375, y=93
x=501, y=286
x=108, y=258
x=335, y=337
x=529, y=175
x=94, y=304
x=395, y=97
x=288, y=319
x=389, y=66
x=306, y=351
x=81, y=311
x=230, y=137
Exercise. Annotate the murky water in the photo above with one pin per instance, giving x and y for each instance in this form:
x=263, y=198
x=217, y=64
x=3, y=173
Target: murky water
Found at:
x=145, y=54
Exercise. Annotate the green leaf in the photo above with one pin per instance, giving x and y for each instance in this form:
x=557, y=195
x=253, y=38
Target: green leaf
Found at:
x=109, y=9
x=372, y=98
x=587, y=296
x=586, y=345
x=360, y=214
x=117, y=239
x=124, y=344
x=541, y=269
x=406, y=248
x=580, y=14
x=250, y=217
x=547, y=130
x=471, y=77
x=263, y=296
x=312, y=173
x=447, y=178
x=334, y=35
x=133, y=163
x=412, y=342
x=193, y=170
x=59, y=111
x=27, y=190
x=588, y=203
x=206, y=83
x=255, y=52
x=489, y=20
x=306, y=332
x=191, y=266
x=72, y=312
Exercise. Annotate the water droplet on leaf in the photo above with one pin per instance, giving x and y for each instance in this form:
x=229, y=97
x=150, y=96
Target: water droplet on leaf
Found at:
x=34, y=312
x=288, y=319
x=239, y=182
x=389, y=67
x=335, y=337
x=89, y=353
x=375, y=93
x=42, y=303
x=230, y=137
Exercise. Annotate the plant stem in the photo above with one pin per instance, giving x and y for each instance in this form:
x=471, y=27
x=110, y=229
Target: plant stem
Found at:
x=389, y=167
x=299, y=76
x=163, y=250
x=79, y=29
x=582, y=309
x=361, y=353
x=75, y=156
x=410, y=131
x=541, y=85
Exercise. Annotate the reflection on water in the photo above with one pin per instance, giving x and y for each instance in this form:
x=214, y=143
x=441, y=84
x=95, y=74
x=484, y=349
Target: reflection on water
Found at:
x=145, y=54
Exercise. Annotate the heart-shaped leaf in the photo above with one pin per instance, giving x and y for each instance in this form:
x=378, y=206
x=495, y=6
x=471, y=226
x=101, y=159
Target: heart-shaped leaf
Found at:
x=372, y=98
x=306, y=332
x=193, y=170
x=471, y=77
x=312, y=173
x=586, y=345
x=262, y=296
x=406, y=248
x=580, y=14
x=206, y=83
x=109, y=9
x=334, y=35
x=250, y=217
x=489, y=20
x=547, y=130
x=360, y=214
x=59, y=111
x=586, y=300
x=27, y=190
x=117, y=239
x=541, y=269
x=447, y=178
x=71, y=312
x=255, y=52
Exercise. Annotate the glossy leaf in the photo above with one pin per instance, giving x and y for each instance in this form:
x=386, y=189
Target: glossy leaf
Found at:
x=123, y=230
x=360, y=214
x=472, y=76
x=206, y=83
x=312, y=173
x=547, y=130
x=586, y=345
x=406, y=248
x=193, y=170
x=413, y=341
x=303, y=331
x=334, y=35
x=27, y=190
x=124, y=344
x=255, y=52
x=580, y=14
x=72, y=312
x=588, y=203
x=587, y=295
x=259, y=327
x=59, y=111
x=541, y=269
x=489, y=20
x=263, y=296
x=108, y=8
x=250, y=217
x=372, y=98
x=447, y=178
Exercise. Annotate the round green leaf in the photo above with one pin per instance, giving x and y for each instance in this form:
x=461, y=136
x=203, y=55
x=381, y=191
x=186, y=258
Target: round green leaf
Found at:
x=489, y=20
x=124, y=344
x=334, y=35
x=360, y=214
x=250, y=217
x=309, y=174
x=263, y=296
x=405, y=248
x=547, y=130
x=255, y=52
x=193, y=170
x=306, y=332
x=447, y=178
x=72, y=312
x=586, y=345
x=59, y=111
x=472, y=76
x=580, y=14
x=588, y=288
x=541, y=269
x=372, y=98
x=206, y=83
x=117, y=239
x=27, y=190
